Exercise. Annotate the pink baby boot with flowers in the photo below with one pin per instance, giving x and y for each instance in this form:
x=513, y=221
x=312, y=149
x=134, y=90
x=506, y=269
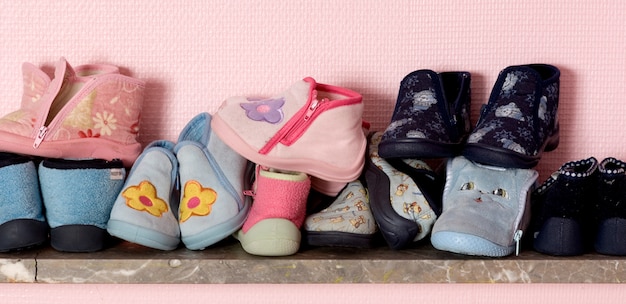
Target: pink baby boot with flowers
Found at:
x=277, y=214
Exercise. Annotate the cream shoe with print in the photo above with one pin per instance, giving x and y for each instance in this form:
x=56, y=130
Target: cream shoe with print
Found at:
x=88, y=112
x=405, y=196
x=347, y=222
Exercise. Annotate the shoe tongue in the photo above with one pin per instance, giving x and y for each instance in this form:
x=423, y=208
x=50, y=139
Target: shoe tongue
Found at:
x=62, y=71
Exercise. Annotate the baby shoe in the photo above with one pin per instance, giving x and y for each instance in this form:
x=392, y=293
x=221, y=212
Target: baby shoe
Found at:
x=22, y=222
x=611, y=207
x=78, y=196
x=213, y=179
x=145, y=210
x=311, y=128
x=520, y=119
x=431, y=116
x=405, y=196
x=563, y=209
x=90, y=112
x=347, y=222
x=485, y=209
x=278, y=211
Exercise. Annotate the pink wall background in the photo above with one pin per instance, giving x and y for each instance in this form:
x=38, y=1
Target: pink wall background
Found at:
x=193, y=54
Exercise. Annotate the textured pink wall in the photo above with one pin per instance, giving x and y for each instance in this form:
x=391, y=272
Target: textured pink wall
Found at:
x=193, y=54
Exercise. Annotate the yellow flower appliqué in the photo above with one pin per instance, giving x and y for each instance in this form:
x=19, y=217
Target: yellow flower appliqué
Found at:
x=196, y=200
x=143, y=197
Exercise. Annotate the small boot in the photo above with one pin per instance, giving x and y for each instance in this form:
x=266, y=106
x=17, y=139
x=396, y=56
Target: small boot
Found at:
x=486, y=209
x=22, y=222
x=145, y=210
x=91, y=111
x=308, y=123
x=405, y=196
x=278, y=211
x=431, y=116
x=78, y=196
x=212, y=178
x=563, y=209
x=347, y=222
x=520, y=120
x=611, y=208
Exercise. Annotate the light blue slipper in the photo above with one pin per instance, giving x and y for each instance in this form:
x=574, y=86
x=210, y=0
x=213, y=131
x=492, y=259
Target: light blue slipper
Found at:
x=22, y=223
x=143, y=212
x=212, y=180
x=78, y=196
x=486, y=209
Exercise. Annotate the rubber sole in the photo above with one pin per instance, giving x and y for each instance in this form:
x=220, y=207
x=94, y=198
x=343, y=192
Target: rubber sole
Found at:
x=78, y=238
x=468, y=244
x=22, y=234
x=271, y=237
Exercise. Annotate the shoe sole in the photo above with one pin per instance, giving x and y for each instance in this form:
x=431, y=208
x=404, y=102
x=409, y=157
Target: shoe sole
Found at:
x=216, y=233
x=417, y=148
x=560, y=237
x=506, y=158
x=468, y=244
x=142, y=236
x=611, y=237
x=22, y=234
x=271, y=237
x=78, y=238
x=340, y=239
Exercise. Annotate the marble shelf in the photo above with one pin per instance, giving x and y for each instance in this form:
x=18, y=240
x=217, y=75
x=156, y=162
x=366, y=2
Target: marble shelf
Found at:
x=226, y=262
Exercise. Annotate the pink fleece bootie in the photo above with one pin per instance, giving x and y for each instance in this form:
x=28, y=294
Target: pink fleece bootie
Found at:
x=277, y=213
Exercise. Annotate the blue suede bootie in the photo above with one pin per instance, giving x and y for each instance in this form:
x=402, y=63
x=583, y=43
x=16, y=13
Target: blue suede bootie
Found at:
x=78, y=196
x=486, y=209
x=22, y=223
x=212, y=178
x=145, y=210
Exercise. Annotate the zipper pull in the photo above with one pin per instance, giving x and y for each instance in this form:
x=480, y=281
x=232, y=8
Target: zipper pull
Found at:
x=40, y=136
x=311, y=109
x=517, y=237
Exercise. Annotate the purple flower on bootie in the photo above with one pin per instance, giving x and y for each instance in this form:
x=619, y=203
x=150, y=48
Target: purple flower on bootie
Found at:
x=269, y=110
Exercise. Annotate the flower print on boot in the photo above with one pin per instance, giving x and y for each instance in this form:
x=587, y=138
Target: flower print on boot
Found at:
x=91, y=111
x=145, y=211
x=309, y=123
x=212, y=179
x=520, y=120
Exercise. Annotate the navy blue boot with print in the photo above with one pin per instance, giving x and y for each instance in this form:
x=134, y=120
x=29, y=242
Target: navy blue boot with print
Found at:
x=431, y=116
x=520, y=120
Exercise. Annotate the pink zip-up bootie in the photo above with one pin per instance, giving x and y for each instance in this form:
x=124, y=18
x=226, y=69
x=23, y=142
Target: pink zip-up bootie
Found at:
x=277, y=213
x=311, y=128
x=88, y=112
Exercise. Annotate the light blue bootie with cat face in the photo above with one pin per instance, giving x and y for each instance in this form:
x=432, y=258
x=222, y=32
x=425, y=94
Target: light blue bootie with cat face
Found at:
x=485, y=209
